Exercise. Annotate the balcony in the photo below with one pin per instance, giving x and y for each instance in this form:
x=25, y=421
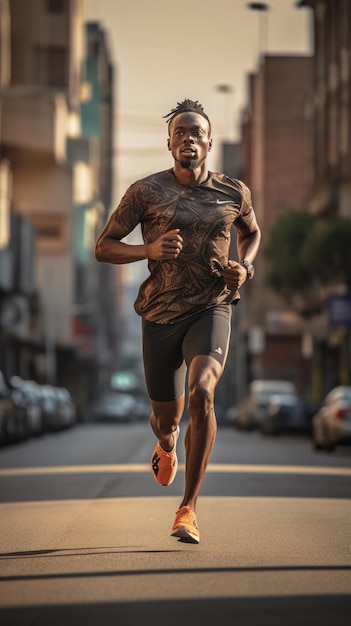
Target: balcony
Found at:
x=34, y=120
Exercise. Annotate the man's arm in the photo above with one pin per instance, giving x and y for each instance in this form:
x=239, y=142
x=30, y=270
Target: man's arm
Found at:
x=248, y=243
x=110, y=249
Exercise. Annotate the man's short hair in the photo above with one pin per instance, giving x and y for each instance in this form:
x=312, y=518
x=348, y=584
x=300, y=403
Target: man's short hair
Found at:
x=191, y=106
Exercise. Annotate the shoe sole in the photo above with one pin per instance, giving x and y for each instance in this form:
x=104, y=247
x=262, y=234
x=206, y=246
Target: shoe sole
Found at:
x=185, y=536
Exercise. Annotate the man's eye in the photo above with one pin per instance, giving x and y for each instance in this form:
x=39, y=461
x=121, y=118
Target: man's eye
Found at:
x=198, y=133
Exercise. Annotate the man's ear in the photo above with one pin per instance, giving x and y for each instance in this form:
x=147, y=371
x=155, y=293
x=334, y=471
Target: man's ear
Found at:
x=210, y=144
x=168, y=144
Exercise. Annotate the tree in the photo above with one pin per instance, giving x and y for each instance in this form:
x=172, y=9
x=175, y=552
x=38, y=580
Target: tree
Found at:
x=288, y=269
x=328, y=252
x=302, y=254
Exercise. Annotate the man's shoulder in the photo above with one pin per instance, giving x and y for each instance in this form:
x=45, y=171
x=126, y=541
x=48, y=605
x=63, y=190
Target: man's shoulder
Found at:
x=154, y=177
x=224, y=179
x=223, y=182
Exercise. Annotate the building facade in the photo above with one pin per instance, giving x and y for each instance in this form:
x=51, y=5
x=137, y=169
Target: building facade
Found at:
x=56, y=175
x=329, y=195
x=277, y=168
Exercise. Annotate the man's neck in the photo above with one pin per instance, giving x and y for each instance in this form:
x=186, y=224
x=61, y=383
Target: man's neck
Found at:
x=191, y=177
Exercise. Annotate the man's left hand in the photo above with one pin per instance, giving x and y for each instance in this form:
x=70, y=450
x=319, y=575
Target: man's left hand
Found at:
x=234, y=275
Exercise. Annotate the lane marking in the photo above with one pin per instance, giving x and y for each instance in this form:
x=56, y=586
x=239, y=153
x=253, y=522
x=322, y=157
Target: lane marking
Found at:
x=214, y=468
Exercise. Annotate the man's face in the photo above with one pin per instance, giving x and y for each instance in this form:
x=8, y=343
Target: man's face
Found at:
x=189, y=139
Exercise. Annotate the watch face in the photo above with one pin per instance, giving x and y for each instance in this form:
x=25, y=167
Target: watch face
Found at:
x=249, y=269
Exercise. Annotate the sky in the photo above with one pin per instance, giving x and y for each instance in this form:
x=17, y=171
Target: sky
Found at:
x=164, y=52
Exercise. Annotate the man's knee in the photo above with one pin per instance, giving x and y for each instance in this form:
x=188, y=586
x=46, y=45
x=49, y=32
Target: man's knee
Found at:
x=167, y=414
x=201, y=400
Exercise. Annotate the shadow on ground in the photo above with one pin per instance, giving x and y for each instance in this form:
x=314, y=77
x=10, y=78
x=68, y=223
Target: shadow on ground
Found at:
x=272, y=611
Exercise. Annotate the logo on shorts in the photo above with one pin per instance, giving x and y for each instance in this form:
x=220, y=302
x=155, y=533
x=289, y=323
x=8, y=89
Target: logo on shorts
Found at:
x=219, y=350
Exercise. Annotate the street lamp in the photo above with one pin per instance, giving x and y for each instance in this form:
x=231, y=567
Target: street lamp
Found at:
x=262, y=8
x=224, y=88
x=258, y=6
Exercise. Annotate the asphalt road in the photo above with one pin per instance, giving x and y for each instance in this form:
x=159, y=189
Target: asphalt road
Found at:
x=85, y=533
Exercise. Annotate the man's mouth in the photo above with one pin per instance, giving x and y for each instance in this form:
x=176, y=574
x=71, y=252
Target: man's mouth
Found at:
x=188, y=151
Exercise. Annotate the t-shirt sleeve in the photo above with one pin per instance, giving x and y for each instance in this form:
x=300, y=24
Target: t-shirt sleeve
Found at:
x=129, y=211
x=246, y=214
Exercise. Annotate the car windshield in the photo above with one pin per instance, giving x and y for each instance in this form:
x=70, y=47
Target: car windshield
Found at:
x=284, y=398
x=266, y=394
x=121, y=399
x=346, y=395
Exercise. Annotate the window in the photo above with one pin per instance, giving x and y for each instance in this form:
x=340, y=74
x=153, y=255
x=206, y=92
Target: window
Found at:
x=51, y=231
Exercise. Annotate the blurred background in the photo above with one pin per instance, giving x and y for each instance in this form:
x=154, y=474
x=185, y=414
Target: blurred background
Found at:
x=83, y=88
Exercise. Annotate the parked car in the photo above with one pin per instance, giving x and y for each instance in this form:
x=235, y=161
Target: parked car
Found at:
x=231, y=415
x=331, y=425
x=250, y=412
x=66, y=409
x=27, y=399
x=114, y=407
x=28, y=409
x=8, y=422
x=285, y=413
x=50, y=409
x=142, y=409
x=22, y=424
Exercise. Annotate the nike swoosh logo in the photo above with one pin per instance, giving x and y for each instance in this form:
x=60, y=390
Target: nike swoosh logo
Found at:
x=225, y=201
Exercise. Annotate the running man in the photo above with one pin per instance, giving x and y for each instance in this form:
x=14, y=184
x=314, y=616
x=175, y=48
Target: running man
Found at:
x=186, y=215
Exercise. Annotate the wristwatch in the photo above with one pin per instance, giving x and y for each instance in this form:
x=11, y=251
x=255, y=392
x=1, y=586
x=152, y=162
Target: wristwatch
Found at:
x=250, y=270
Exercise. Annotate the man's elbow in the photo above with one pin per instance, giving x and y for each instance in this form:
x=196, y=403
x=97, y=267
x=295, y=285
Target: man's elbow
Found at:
x=98, y=252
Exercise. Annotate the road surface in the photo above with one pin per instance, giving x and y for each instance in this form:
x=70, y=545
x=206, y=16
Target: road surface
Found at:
x=85, y=533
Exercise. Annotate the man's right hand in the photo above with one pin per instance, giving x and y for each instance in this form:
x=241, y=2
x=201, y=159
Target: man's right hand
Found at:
x=166, y=247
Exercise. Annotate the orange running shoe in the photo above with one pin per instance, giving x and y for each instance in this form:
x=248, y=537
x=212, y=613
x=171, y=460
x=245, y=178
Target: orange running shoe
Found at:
x=185, y=526
x=164, y=464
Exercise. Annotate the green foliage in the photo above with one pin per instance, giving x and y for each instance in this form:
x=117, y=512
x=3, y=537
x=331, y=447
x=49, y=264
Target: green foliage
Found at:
x=300, y=252
x=328, y=252
x=287, y=267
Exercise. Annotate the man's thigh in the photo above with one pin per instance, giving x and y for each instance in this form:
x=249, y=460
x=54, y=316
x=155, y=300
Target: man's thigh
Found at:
x=209, y=335
x=169, y=348
x=164, y=365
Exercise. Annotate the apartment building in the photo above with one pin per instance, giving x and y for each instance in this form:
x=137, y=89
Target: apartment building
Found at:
x=55, y=161
x=329, y=195
x=277, y=167
x=330, y=107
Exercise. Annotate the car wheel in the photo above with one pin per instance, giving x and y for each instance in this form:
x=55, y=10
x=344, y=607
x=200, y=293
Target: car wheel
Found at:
x=317, y=445
x=269, y=427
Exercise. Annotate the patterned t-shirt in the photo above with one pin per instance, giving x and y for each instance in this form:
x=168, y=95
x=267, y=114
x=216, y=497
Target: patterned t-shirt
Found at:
x=204, y=214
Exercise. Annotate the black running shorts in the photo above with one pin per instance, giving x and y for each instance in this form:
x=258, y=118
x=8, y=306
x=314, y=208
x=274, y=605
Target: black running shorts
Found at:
x=168, y=349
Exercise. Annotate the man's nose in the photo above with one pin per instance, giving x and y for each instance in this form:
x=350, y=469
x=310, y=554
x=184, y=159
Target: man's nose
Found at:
x=188, y=137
